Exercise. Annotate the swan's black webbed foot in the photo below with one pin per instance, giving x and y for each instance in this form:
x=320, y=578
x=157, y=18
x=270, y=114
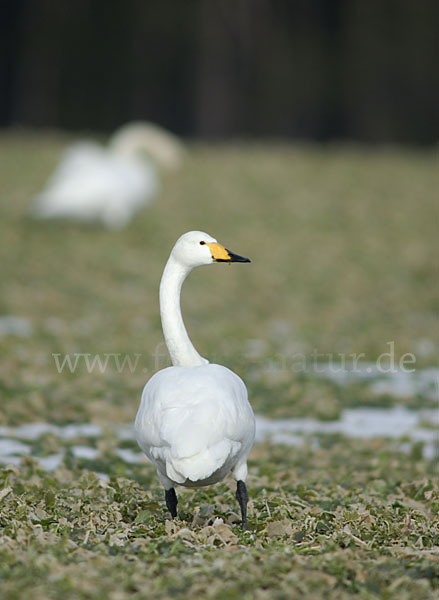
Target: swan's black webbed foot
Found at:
x=171, y=502
x=242, y=497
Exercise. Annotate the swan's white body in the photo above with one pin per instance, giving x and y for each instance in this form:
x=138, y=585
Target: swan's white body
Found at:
x=194, y=423
x=108, y=185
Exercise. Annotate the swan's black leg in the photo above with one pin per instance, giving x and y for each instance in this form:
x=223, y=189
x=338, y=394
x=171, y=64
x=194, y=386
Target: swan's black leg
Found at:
x=171, y=502
x=242, y=497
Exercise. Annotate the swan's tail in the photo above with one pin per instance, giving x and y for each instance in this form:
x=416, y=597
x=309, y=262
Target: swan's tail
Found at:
x=202, y=465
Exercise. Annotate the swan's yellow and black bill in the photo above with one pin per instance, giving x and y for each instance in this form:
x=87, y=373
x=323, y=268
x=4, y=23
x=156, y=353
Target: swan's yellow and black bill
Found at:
x=221, y=254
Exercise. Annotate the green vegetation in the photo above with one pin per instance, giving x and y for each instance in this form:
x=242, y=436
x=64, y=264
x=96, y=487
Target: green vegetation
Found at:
x=343, y=242
x=350, y=519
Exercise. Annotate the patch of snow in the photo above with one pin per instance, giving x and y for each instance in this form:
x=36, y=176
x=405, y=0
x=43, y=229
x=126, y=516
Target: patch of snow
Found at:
x=51, y=462
x=18, y=326
x=10, y=460
x=130, y=457
x=8, y=447
x=359, y=423
x=33, y=431
x=85, y=452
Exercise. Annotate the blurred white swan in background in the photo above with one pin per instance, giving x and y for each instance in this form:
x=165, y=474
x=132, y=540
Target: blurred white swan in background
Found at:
x=108, y=185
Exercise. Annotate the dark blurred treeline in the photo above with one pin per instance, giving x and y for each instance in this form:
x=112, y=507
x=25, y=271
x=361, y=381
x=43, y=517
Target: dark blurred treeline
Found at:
x=317, y=69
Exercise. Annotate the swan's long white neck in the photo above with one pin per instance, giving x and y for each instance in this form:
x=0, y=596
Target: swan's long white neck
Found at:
x=183, y=353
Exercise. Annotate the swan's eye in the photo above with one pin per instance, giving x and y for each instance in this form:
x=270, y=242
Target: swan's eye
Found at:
x=202, y=243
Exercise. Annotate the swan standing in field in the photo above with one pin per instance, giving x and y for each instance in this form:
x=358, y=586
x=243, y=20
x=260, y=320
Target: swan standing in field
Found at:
x=109, y=185
x=194, y=423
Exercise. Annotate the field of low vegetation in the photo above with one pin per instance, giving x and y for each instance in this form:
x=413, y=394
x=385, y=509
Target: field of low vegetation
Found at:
x=343, y=242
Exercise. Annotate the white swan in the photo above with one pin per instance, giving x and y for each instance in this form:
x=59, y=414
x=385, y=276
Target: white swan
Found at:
x=109, y=185
x=194, y=423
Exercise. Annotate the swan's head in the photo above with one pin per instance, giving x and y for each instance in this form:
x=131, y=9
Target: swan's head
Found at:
x=148, y=140
x=196, y=248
